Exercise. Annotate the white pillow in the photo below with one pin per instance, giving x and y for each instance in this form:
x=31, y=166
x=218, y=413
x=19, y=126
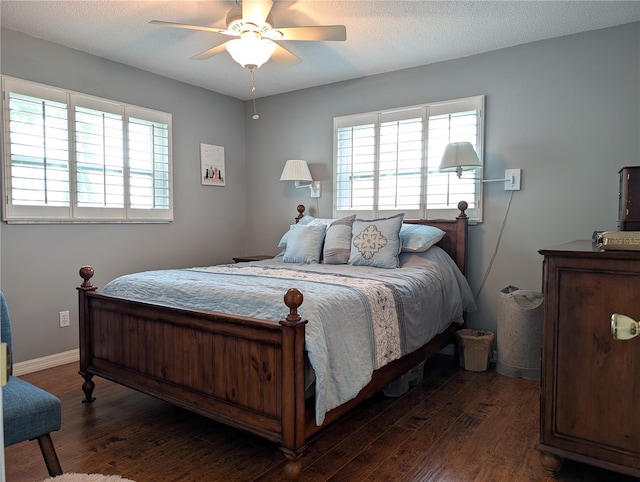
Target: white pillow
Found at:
x=311, y=221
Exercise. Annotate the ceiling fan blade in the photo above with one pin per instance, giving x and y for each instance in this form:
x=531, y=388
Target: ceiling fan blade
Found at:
x=207, y=54
x=320, y=32
x=256, y=11
x=283, y=57
x=192, y=27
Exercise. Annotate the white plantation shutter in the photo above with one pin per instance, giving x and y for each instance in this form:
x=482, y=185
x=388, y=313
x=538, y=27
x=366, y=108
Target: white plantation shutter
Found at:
x=99, y=141
x=400, y=161
x=148, y=164
x=456, y=121
x=69, y=157
x=37, y=159
x=355, y=169
x=387, y=162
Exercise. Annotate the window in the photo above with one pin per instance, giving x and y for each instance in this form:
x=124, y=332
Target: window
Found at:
x=70, y=157
x=387, y=162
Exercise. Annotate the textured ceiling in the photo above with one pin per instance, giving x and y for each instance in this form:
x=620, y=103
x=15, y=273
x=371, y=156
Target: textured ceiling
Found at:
x=382, y=35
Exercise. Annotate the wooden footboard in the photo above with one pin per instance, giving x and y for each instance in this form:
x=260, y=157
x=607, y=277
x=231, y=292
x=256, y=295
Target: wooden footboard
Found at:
x=244, y=372
x=240, y=371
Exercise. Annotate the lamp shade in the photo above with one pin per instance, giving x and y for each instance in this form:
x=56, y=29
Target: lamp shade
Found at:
x=296, y=170
x=459, y=155
x=250, y=50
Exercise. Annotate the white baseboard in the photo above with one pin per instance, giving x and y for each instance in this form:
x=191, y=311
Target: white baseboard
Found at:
x=45, y=362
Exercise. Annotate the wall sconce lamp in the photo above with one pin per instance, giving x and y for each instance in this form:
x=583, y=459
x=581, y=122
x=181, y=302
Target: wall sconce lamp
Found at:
x=459, y=156
x=297, y=170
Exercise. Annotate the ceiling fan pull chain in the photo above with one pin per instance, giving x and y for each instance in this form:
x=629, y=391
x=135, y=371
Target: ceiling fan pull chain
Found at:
x=255, y=115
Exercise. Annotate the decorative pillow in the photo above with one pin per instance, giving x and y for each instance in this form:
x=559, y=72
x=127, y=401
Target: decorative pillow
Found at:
x=283, y=240
x=304, y=221
x=417, y=238
x=376, y=242
x=311, y=221
x=304, y=244
x=337, y=241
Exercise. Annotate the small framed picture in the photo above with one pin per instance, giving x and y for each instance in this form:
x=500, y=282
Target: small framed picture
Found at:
x=212, y=171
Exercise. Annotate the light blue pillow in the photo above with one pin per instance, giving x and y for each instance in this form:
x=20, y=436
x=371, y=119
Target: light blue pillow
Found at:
x=304, y=244
x=304, y=221
x=283, y=240
x=337, y=241
x=376, y=242
x=417, y=238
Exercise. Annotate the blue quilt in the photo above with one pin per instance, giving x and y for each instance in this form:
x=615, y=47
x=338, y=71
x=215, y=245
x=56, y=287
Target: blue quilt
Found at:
x=359, y=318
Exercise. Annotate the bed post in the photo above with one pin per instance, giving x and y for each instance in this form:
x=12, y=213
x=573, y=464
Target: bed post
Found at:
x=462, y=234
x=293, y=401
x=86, y=273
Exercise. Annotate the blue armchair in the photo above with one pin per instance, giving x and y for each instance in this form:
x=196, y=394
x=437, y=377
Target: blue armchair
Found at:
x=28, y=412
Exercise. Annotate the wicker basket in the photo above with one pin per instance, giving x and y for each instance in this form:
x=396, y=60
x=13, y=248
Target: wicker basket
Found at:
x=474, y=348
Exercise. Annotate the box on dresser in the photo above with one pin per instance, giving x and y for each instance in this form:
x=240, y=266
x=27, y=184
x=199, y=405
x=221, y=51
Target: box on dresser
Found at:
x=629, y=199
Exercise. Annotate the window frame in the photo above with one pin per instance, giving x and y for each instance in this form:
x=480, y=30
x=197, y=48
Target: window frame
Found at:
x=74, y=213
x=427, y=111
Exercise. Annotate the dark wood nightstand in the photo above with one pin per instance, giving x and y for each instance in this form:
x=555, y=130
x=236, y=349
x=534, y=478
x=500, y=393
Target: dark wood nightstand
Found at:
x=243, y=259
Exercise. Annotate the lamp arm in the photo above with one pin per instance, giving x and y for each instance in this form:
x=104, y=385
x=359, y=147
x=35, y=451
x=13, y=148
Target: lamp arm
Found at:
x=497, y=180
x=487, y=180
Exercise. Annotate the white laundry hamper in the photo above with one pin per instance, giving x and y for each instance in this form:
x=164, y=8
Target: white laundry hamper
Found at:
x=519, y=333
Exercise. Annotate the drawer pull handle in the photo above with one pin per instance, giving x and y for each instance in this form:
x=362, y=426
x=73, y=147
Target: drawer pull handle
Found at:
x=623, y=327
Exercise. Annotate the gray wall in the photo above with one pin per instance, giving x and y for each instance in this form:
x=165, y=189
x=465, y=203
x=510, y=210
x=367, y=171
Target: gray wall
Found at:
x=566, y=111
x=39, y=263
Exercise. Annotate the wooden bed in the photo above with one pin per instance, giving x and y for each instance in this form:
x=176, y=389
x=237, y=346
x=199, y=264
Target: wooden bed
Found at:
x=251, y=376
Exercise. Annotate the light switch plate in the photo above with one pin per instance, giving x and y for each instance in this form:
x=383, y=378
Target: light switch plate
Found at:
x=316, y=188
x=512, y=177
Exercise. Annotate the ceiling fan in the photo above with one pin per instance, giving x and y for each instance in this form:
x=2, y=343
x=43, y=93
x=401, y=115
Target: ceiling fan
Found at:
x=256, y=38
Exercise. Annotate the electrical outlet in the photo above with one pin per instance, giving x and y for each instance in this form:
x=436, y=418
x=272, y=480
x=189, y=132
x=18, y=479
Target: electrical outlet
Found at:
x=64, y=319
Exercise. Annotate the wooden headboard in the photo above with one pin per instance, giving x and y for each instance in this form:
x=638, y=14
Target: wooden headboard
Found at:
x=455, y=241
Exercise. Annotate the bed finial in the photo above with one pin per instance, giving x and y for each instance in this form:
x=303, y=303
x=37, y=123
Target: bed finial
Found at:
x=86, y=273
x=301, y=209
x=293, y=299
x=462, y=206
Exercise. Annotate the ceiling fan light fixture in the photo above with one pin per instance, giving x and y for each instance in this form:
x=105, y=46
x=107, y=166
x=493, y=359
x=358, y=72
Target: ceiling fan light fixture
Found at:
x=250, y=50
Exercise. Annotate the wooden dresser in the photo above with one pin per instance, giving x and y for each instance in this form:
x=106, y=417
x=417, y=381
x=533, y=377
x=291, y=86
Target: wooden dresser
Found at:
x=590, y=383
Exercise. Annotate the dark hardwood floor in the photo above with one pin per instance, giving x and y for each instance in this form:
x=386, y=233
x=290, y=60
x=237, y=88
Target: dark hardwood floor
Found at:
x=454, y=426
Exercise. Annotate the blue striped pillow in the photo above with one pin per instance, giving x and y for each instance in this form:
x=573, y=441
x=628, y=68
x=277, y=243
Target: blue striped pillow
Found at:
x=337, y=241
